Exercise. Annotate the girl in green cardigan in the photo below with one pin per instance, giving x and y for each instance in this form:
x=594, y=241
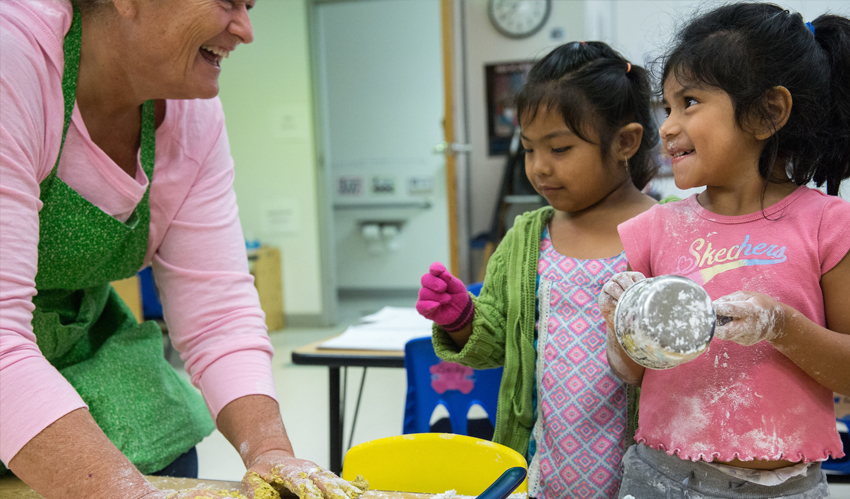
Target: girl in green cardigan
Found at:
x=588, y=136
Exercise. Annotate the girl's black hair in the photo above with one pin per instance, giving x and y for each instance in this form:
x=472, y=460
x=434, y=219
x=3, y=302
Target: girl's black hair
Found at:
x=597, y=93
x=746, y=49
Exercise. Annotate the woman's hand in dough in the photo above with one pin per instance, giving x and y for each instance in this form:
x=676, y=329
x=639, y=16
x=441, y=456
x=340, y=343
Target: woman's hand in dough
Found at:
x=613, y=289
x=276, y=471
x=755, y=317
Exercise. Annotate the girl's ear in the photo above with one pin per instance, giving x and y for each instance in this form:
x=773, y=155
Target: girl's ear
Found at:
x=627, y=141
x=777, y=108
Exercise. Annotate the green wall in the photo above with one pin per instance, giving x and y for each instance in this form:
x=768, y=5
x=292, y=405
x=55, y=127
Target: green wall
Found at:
x=267, y=97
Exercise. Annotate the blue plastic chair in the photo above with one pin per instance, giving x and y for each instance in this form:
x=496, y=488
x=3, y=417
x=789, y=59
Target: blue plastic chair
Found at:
x=426, y=389
x=474, y=288
x=151, y=307
x=842, y=465
x=432, y=382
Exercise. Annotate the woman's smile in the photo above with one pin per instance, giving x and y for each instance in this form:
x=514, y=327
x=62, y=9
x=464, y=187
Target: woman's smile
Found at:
x=190, y=38
x=213, y=54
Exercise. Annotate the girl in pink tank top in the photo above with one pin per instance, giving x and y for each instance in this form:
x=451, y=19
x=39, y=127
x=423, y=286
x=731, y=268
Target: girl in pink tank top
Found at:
x=758, y=105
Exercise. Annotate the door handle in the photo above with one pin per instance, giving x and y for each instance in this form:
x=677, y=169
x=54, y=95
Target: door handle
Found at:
x=452, y=148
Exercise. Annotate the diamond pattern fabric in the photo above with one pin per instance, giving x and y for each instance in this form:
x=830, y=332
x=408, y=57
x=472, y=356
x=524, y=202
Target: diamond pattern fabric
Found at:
x=581, y=403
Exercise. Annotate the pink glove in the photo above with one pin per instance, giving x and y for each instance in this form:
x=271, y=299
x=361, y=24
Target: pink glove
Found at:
x=444, y=299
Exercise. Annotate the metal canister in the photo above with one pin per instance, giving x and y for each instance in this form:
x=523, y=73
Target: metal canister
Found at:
x=662, y=322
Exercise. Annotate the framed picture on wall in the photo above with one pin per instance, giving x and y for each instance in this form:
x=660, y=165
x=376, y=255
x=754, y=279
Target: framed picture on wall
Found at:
x=504, y=81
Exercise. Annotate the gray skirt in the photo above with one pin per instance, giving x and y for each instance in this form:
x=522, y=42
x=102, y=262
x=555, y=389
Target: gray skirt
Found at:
x=652, y=474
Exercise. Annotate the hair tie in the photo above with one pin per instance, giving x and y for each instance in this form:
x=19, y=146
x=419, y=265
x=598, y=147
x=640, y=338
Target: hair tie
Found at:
x=811, y=28
x=628, y=67
x=583, y=44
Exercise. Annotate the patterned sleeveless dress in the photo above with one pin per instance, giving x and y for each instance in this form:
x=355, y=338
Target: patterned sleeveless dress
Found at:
x=578, y=436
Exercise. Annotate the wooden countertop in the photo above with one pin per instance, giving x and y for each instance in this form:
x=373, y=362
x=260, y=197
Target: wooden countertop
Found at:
x=12, y=488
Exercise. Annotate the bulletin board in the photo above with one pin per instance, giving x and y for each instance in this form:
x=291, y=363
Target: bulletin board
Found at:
x=504, y=81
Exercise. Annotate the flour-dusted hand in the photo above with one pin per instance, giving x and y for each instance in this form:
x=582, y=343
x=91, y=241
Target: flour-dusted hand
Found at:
x=275, y=471
x=444, y=299
x=755, y=317
x=613, y=289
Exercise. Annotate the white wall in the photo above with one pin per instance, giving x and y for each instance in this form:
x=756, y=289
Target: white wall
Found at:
x=642, y=30
x=267, y=98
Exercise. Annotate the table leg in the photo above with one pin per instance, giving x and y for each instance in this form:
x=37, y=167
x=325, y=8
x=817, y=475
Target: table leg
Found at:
x=335, y=420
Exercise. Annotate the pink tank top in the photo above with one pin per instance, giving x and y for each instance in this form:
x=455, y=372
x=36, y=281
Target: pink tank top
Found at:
x=735, y=401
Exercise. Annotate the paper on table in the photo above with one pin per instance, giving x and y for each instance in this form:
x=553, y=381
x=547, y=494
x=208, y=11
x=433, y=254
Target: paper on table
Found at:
x=388, y=329
x=392, y=315
x=366, y=337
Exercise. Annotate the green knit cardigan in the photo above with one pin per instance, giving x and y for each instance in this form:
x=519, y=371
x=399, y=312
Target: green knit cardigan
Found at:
x=503, y=331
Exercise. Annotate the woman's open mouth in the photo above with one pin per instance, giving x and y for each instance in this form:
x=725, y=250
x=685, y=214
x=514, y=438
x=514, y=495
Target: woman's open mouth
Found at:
x=214, y=55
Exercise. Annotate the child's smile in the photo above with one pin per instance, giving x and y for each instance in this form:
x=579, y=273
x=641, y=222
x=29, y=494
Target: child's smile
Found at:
x=677, y=151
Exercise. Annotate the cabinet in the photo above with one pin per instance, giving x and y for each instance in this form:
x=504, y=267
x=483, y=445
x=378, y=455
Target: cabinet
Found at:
x=264, y=265
x=129, y=291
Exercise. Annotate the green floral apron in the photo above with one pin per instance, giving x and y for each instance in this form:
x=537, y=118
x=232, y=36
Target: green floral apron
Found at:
x=84, y=328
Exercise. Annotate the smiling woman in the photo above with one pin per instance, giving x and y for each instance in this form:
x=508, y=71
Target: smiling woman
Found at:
x=173, y=48
x=115, y=157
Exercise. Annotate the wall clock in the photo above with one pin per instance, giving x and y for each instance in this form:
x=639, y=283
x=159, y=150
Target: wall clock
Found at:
x=518, y=18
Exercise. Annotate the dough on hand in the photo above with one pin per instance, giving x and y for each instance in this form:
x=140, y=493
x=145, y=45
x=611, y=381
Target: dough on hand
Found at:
x=360, y=483
x=261, y=488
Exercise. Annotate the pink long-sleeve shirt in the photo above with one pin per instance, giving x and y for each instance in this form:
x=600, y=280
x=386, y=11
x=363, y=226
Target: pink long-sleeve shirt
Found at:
x=195, y=244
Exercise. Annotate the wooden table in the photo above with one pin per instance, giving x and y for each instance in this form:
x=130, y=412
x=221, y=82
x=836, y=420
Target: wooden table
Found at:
x=311, y=355
x=12, y=488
